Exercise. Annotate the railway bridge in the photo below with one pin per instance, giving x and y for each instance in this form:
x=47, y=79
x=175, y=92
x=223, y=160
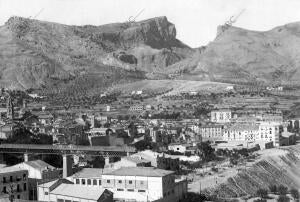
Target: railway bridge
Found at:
x=66, y=151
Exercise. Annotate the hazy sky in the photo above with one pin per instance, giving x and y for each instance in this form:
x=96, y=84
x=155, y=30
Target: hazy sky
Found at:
x=196, y=20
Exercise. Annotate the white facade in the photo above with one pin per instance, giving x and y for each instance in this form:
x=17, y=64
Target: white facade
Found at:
x=269, y=131
x=261, y=132
x=221, y=116
x=147, y=187
x=178, y=148
x=15, y=178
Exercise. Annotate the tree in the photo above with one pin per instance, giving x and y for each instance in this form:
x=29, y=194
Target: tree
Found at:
x=294, y=193
x=194, y=197
x=283, y=198
x=273, y=188
x=262, y=193
x=206, y=152
x=282, y=190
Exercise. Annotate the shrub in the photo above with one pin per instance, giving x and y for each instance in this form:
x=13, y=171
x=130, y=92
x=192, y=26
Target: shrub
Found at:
x=262, y=193
x=273, y=188
x=260, y=200
x=283, y=198
x=295, y=193
x=282, y=190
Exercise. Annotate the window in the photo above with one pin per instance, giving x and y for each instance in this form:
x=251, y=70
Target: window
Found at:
x=94, y=182
x=4, y=179
x=60, y=200
x=89, y=182
x=108, y=181
x=173, y=191
x=24, y=176
x=24, y=187
x=67, y=200
x=120, y=181
x=130, y=182
x=120, y=189
x=141, y=183
x=46, y=193
x=4, y=190
x=141, y=190
x=10, y=178
x=18, y=196
x=99, y=182
x=83, y=181
x=77, y=181
x=131, y=190
x=18, y=188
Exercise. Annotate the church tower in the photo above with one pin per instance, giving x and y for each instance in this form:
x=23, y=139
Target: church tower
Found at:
x=10, y=108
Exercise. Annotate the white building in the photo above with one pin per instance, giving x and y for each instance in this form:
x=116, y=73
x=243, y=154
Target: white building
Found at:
x=177, y=147
x=241, y=133
x=16, y=179
x=220, y=116
x=44, y=189
x=38, y=171
x=144, y=184
x=269, y=131
x=77, y=193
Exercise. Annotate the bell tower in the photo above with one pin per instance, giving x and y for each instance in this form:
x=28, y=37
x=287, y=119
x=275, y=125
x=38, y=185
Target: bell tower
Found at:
x=10, y=108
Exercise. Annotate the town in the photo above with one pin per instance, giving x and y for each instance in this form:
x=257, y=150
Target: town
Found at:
x=136, y=147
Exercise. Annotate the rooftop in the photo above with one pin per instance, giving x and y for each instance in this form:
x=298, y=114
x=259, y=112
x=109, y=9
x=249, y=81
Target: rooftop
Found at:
x=39, y=164
x=11, y=169
x=78, y=191
x=140, y=171
x=136, y=159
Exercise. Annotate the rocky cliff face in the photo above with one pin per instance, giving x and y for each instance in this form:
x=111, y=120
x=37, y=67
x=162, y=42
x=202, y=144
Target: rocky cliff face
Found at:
x=35, y=52
x=237, y=54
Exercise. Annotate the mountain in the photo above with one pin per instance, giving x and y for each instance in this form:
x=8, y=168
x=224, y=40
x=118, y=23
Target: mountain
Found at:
x=238, y=54
x=38, y=54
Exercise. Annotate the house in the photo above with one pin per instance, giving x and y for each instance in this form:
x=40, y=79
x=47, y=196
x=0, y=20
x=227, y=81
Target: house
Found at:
x=144, y=184
x=38, y=171
x=168, y=163
x=74, y=192
x=6, y=131
x=213, y=132
x=16, y=179
x=44, y=188
x=221, y=116
x=177, y=147
x=241, y=133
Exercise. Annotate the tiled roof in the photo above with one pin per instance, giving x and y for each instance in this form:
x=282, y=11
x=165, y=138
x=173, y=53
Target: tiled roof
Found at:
x=140, y=171
x=136, y=159
x=39, y=164
x=78, y=191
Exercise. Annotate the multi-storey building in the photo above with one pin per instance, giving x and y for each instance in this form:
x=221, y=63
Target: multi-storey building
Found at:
x=14, y=181
x=221, y=116
x=211, y=132
x=269, y=131
x=241, y=132
x=38, y=171
x=144, y=184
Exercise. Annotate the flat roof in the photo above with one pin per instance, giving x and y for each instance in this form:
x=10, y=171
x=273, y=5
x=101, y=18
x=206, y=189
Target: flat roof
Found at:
x=79, y=191
x=141, y=171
